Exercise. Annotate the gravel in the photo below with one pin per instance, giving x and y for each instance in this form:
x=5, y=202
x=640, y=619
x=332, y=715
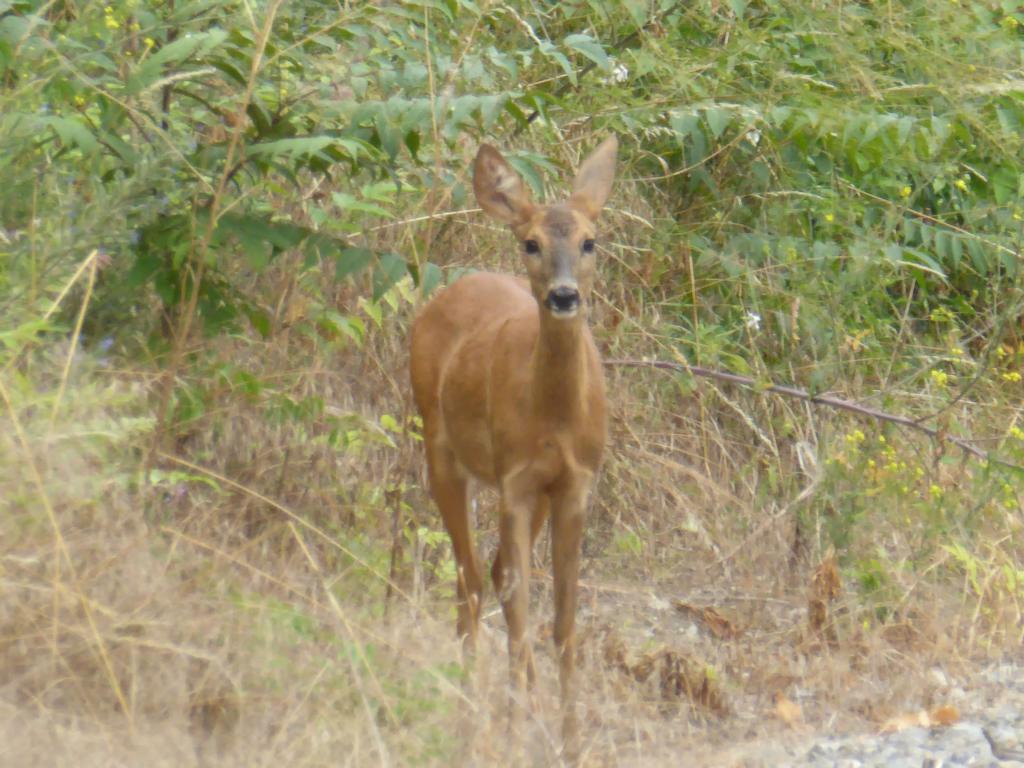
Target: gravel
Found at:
x=990, y=733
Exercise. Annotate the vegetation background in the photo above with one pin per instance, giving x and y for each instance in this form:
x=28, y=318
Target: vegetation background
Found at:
x=216, y=220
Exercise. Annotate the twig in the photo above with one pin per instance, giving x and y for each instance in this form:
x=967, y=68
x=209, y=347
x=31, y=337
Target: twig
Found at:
x=830, y=400
x=76, y=336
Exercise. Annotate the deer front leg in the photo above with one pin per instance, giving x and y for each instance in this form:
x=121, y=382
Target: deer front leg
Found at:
x=567, y=517
x=539, y=517
x=517, y=505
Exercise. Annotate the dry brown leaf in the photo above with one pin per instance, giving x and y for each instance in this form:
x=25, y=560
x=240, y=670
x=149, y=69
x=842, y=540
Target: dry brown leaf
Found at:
x=717, y=624
x=788, y=711
x=681, y=676
x=720, y=626
x=682, y=607
x=676, y=674
x=614, y=652
x=946, y=715
x=940, y=716
x=643, y=668
x=908, y=720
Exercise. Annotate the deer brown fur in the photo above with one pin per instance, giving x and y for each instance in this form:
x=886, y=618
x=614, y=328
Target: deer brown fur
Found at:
x=508, y=381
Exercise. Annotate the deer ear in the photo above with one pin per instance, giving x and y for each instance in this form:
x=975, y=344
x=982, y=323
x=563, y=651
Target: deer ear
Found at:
x=594, y=179
x=500, y=190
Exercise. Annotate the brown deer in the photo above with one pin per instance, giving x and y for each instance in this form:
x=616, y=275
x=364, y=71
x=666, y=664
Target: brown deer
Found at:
x=508, y=381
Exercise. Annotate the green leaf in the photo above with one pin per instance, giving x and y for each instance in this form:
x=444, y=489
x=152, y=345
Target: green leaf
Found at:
x=352, y=260
x=291, y=148
x=430, y=278
x=350, y=327
x=528, y=171
x=349, y=202
x=72, y=132
x=389, y=270
x=151, y=70
x=590, y=48
x=718, y=120
x=260, y=321
x=921, y=260
x=548, y=49
x=184, y=47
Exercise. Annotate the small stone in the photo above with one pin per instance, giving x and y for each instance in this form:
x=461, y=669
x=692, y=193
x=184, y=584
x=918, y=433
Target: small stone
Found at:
x=938, y=678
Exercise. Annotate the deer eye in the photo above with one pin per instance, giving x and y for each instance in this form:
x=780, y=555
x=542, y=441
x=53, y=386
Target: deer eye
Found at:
x=588, y=245
x=531, y=247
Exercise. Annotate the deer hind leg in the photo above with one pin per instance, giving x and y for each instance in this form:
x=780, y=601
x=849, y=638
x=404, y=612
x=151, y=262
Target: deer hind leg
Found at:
x=448, y=487
x=537, y=520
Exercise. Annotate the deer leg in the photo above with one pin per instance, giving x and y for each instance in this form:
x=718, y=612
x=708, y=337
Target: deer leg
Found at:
x=537, y=520
x=448, y=487
x=514, y=551
x=567, y=517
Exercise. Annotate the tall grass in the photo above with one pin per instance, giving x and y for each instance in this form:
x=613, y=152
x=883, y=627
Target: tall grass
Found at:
x=217, y=543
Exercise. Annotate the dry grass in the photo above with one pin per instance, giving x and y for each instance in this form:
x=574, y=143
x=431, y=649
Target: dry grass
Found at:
x=231, y=609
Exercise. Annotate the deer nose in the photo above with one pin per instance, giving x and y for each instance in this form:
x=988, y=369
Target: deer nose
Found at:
x=563, y=300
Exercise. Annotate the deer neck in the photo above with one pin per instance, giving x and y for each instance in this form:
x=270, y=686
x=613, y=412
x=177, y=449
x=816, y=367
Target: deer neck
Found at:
x=560, y=369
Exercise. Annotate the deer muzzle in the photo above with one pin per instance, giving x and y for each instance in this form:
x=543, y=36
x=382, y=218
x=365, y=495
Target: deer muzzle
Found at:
x=563, y=300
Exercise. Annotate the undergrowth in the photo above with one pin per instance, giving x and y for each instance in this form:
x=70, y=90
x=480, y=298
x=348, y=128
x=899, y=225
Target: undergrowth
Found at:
x=217, y=221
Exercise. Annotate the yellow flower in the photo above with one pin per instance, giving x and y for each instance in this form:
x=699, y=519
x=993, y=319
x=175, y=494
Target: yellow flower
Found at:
x=961, y=185
x=1011, y=376
x=905, y=192
x=939, y=378
x=830, y=217
x=149, y=42
x=1017, y=432
x=112, y=23
x=935, y=491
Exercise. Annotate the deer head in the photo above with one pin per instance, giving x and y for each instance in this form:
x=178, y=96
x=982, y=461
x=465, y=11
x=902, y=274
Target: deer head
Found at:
x=558, y=240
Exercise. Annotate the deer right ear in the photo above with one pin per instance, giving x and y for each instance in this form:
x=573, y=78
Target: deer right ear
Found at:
x=594, y=179
x=500, y=190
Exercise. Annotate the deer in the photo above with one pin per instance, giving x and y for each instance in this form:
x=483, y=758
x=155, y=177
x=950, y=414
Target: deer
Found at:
x=509, y=385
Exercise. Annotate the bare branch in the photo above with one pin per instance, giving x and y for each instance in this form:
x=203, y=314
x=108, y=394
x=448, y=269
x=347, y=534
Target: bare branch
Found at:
x=963, y=444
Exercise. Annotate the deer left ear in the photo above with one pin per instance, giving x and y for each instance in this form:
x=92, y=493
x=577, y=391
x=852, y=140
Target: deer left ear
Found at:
x=594, y=179
x=500, y=190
